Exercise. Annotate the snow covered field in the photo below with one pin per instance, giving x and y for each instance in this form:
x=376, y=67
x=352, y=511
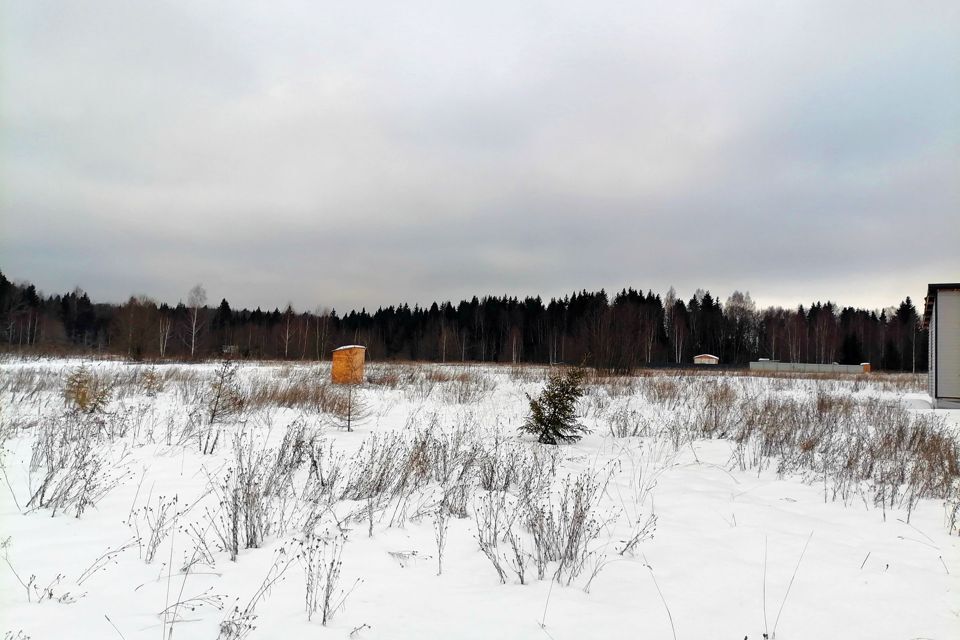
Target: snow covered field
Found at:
x=700, y=506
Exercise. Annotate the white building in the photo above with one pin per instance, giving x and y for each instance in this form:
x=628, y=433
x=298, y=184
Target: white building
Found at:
x=941, y=317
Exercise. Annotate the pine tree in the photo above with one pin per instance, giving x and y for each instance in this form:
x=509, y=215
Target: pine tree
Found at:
x=553, y=413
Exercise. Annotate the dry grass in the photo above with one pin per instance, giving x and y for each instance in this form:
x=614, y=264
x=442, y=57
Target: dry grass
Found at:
x=854, y=447
x=832, y=429
x=390, y=376
x=302, y=391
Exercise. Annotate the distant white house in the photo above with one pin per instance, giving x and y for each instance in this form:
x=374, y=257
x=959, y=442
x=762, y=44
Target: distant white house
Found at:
x=706, y=358
x=941, y=318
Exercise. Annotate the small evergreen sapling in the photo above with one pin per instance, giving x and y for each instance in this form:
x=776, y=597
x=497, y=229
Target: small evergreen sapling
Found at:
x=553, y=413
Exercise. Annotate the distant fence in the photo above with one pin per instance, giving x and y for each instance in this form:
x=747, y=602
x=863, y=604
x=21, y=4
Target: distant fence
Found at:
x=806, y=367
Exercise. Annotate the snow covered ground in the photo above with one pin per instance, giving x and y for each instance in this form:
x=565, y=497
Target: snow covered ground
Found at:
x=681, y=532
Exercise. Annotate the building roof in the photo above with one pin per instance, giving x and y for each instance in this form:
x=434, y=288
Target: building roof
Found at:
x=350, y=346
x=931, y=296
x=707, y=355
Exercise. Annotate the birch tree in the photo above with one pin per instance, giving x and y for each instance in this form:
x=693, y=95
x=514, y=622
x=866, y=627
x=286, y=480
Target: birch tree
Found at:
x=165, y=325
x=323, y=324
x=196, y=302
x=288, y=329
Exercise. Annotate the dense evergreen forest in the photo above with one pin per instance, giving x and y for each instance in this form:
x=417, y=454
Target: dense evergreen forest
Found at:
x=629, y=331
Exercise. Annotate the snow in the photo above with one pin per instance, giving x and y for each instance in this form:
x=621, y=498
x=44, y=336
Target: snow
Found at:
x=727, y=542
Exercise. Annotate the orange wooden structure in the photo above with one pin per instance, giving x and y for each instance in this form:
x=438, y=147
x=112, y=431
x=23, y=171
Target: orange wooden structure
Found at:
x=348, y=364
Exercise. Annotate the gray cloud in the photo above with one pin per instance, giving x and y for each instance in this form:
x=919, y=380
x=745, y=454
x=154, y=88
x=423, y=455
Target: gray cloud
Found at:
x=354, y=154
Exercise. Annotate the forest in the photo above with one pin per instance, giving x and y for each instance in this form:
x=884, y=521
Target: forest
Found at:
x=631, y=330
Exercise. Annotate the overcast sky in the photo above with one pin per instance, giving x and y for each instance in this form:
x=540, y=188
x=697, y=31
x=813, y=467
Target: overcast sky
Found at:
x=355, y=153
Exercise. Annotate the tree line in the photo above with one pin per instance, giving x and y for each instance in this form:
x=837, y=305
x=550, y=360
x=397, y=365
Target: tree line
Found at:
x=629, y=331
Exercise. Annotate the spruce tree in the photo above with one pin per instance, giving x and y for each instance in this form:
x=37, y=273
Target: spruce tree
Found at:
x=553, y=413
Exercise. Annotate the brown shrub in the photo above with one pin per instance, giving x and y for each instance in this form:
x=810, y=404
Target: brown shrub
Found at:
x=86, y=391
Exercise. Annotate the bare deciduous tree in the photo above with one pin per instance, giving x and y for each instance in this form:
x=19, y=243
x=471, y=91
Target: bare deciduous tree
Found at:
x=323, y=327
x=196, y=301
x=288, y=330
x=165, y=327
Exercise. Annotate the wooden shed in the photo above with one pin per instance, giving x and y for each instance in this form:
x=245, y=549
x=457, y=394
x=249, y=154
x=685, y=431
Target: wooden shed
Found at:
x=348, y=364
x=706, y=358
x=941, y=318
